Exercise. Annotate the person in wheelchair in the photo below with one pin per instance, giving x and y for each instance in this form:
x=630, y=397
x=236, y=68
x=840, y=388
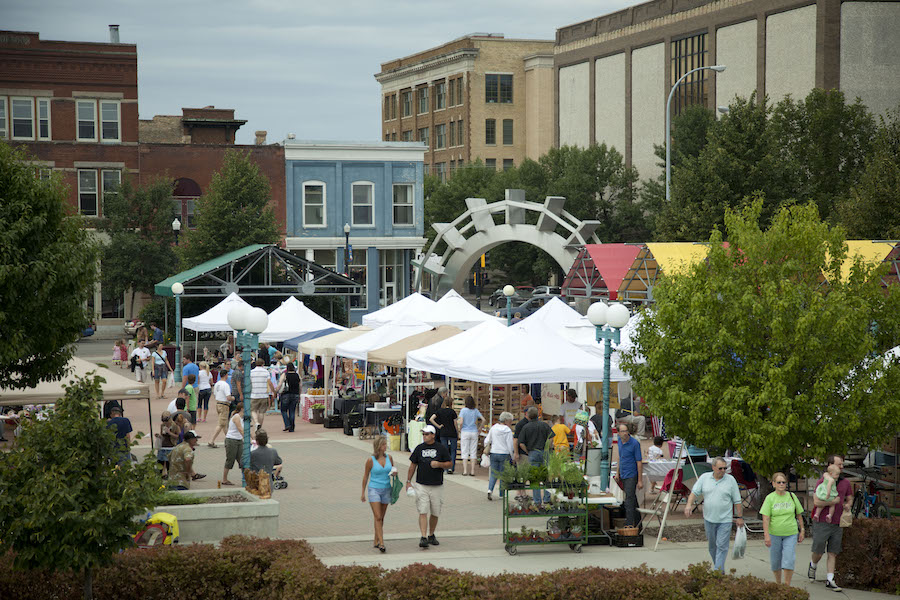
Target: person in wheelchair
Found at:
x=266, y=459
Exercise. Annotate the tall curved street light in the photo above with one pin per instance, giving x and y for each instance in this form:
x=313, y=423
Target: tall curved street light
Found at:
x=248, y=322
x=608, y=320
x=717, y=69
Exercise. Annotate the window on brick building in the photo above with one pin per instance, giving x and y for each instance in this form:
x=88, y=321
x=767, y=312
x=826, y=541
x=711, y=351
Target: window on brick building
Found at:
x=403, y=204
x=363, y=207
x=498, y=89
x=452, y=140
x=109, y=121
x=407, y=135
x=440, y=169
x=422, y=95
x=490, y=131
x=4, y=132
x=491, y=163
x=508, y=164
x=507, y=132
x=460, y=133
x=688, y=54
x=459, y=91
x=407, y=104
x=87, y=120
x=440, y=95
x=111, y=180
x=22, y=118
x=451, y=101
x=394, y=136
x=423, y=136
x=314, y=204
x=87, y=192
x=440, y=136
x=43, y=118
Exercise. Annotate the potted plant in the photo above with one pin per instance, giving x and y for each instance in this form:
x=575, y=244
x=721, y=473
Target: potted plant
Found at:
x=318, y=413
x=573, y=479
x=576, y=532
x=523, y=470
x=507, y=476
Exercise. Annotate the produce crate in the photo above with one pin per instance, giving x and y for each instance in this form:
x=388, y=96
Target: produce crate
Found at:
x=628, y=541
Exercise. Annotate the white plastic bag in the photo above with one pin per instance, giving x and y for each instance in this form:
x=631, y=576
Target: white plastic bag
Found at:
x=485, y=461
x=171, y=380
x=740, y=543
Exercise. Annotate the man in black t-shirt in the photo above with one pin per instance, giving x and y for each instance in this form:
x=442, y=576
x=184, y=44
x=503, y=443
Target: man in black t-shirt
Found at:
x=427, y=463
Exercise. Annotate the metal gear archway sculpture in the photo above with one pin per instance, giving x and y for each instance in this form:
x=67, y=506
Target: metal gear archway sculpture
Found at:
x=475, y=232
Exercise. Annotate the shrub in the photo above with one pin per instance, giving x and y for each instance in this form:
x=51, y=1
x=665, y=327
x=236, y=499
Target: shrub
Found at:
x=870, y=556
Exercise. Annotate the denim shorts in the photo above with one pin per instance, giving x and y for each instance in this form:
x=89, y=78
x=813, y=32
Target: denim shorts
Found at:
x=382, y=495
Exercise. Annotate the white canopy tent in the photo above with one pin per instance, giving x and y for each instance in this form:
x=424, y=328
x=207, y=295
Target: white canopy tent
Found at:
x=453, y=309
x=324, y=346
x=292, y=319
x=216, y=318
x=532, y=353
x=436, y=357
x=359, y=347
x=556, y=314
x=415, y=306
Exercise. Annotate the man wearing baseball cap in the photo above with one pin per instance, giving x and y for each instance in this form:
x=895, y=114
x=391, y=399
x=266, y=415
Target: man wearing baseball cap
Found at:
x=428, y=462
x=181, y=462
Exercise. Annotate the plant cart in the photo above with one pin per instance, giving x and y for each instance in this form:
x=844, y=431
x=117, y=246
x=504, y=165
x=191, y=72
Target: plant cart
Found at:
x=566, y=515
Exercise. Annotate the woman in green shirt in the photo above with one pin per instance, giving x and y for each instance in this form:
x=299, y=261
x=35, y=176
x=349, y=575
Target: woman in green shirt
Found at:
x=783, y=526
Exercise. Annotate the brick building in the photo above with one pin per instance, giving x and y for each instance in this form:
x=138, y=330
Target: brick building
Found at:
x=613, y=73
x=74, y=106
x=480, y=96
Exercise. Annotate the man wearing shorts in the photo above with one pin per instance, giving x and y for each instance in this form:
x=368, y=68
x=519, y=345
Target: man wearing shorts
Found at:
x=223, y=398
x=427, y=463
x=827, y=533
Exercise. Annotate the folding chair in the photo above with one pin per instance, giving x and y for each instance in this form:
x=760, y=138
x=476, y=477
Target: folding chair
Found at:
x=749, y=489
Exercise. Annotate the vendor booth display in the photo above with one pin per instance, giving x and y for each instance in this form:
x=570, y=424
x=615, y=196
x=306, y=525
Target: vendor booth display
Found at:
x=324, y=347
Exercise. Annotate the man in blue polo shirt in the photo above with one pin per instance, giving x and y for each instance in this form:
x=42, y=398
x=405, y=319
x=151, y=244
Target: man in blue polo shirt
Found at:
x=631, y=471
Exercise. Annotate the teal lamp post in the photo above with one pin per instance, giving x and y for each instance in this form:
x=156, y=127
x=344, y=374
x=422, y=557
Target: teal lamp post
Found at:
x=608, y=320
x=508, y=291
x=177, y=290
x=248, y=322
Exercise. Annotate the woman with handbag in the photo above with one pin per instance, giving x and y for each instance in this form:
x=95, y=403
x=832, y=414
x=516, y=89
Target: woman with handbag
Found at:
x=289, y=388
x=161, y=369
x=376, y=486
x=499, y=445
x=783, y=528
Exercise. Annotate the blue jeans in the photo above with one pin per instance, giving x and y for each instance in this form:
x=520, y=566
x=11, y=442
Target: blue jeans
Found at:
x=289, y=410
x=719, y=535
x=783, y=552
x=536, y=457
x=497, y=463
x=450, y=444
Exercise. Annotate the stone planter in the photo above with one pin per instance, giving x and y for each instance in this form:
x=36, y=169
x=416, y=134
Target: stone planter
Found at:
x=210, y=523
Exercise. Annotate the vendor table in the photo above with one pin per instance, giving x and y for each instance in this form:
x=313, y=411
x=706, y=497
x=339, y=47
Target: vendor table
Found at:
x=380, y=411
x=657, y=470
x=306, y=402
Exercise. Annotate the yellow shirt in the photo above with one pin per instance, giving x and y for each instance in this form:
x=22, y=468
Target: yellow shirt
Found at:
x=560, y=432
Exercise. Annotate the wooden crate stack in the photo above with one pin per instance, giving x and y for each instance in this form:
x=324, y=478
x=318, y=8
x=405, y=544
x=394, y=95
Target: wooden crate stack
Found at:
x=891, y=474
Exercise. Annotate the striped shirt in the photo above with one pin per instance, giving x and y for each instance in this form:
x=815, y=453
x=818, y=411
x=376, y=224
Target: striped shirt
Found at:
x=259, y=379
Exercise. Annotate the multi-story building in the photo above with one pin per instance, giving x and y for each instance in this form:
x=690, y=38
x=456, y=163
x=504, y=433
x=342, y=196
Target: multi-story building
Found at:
x=480, y=96
x=362, y=200
x=613, y=73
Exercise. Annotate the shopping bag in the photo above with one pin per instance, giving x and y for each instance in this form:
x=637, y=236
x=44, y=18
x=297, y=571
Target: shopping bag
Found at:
x=396, y=488
x=485, y=461
x=171, y=380
x=740, y=543
x=846, y=518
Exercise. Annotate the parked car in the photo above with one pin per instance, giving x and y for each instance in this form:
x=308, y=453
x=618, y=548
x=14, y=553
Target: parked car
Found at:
x=499, y=299
x=525, y=308
x=130, y=328
x=547, y=290
x=526, y=290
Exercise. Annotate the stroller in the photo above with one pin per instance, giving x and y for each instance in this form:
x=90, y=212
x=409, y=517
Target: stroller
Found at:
x=160, y=529
x=279, y=483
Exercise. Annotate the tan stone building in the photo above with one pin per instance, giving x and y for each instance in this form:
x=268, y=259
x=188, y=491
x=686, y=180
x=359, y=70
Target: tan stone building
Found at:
x=614, y=72
x=480, y=96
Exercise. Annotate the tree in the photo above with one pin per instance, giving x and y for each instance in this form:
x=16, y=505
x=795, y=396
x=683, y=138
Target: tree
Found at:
x=756, y=351
x=139, y=253
x=234, y=214
x=870, y=211
x=48, y=267
x=64, y=502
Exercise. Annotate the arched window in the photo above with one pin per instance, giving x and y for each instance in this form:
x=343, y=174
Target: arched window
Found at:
x=184, y=199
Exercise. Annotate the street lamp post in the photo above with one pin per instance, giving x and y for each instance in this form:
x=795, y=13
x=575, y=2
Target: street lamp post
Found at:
x=347, y=267
x=248, y=323
x=608, y=320
x=178, y=290
x=176, y=229
x=508, y=291
x=717, y=69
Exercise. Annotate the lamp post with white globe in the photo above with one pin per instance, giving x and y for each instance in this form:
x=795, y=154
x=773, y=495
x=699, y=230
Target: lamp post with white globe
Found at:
x=508, y=291
x=608, y=320
x=177, y=290
x=248, y=322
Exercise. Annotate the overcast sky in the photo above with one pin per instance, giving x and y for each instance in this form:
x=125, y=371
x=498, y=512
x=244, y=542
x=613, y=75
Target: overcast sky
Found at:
x=285, y=66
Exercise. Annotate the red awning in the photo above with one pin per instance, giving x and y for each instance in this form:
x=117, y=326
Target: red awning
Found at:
x=610, y=263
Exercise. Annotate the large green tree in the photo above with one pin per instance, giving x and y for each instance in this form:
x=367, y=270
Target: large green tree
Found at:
x=140, y=252
x=870, y=210
x=48, y=268
x=236, y=212
x=65, y=503
x=765, y=349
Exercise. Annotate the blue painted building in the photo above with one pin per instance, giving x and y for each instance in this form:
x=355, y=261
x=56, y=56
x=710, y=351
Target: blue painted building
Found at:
x=374, y=191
